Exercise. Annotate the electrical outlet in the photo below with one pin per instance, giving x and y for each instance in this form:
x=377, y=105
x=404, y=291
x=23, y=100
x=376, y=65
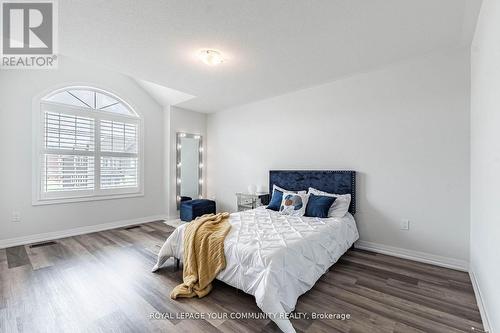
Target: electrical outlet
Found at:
x=405, y=224
x=16, y=216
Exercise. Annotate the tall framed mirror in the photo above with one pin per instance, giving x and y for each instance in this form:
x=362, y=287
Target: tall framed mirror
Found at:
x=189, y=167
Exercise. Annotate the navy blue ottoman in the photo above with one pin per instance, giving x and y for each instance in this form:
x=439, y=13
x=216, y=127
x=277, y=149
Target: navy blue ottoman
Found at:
x=191, y=209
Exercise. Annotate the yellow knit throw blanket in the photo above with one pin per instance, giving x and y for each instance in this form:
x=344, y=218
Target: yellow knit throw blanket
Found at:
x=203, y=254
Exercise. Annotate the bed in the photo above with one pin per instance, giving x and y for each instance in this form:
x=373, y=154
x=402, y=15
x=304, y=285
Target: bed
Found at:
x=277, y=258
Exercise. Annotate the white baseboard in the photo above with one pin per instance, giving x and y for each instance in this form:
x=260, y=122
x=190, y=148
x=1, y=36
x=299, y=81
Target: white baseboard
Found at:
x=23, y=240
x=424, y=257
x=480, y=302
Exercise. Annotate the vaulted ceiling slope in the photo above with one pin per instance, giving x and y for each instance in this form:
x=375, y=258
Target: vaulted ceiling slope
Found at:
x=271, y=46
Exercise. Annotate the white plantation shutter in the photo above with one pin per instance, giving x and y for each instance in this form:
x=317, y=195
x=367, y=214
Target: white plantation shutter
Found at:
x=118, y=172
x=67, y=173
x=119, y=159
x=118, y=137
x=64, y=135
x=67, y=132
x=90, y=145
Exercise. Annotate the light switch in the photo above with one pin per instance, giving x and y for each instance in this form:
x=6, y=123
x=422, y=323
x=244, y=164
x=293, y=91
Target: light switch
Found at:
x=405, y=224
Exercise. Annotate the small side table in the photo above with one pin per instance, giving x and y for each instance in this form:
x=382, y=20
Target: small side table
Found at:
x=248, y=201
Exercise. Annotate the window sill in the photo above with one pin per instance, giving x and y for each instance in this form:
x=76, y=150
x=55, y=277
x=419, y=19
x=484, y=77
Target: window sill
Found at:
x=54, y=201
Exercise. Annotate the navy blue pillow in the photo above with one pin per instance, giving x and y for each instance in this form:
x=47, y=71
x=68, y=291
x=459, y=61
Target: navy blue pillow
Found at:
x=275, y=202
x=318, y=205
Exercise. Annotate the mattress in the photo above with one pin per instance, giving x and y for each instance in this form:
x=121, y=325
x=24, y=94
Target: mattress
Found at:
x=274, y=257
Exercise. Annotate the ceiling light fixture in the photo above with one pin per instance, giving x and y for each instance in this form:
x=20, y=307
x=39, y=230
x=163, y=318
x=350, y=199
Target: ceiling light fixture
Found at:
x=211, y=57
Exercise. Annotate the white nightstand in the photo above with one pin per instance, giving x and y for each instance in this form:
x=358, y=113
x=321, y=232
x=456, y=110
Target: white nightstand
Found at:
x=248, y=201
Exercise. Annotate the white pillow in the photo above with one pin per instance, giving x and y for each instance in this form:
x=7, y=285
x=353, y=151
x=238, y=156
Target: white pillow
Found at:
x=294, y=204
x=276, y=199
x=341, y=204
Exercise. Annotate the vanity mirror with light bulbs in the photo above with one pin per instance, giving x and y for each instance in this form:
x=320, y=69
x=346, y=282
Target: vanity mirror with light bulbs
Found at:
x=189, y=164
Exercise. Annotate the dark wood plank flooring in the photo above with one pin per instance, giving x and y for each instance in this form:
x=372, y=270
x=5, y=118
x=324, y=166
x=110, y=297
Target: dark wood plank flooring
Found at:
x=101, y=282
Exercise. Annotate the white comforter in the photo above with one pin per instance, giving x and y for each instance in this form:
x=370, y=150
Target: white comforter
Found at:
x=276, y=258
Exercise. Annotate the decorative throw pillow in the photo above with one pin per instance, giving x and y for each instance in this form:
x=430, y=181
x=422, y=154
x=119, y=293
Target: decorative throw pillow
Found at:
x=319, y=205
x=294, y=204
x=277, y=197
x=341, y=205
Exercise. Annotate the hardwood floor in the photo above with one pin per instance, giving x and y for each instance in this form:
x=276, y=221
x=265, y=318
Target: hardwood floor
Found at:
x=101, y=282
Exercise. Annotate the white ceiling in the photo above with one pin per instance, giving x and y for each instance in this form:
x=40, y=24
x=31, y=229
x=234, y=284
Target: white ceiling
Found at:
x=272, y=46
x=163, y=95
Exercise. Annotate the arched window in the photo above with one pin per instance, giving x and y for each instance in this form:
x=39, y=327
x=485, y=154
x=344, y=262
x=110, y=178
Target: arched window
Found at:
x=88, y=148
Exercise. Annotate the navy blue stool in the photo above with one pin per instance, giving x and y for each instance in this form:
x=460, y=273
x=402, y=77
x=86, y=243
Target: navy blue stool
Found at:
x=191, y=209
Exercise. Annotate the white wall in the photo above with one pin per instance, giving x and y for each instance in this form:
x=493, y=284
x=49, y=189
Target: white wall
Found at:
x=485, y=159
x=182, y=120
x=17, y=89
x=404, y=128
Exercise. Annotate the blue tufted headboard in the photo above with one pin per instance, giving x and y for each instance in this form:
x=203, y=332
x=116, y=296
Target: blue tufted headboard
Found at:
x=338, y=182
